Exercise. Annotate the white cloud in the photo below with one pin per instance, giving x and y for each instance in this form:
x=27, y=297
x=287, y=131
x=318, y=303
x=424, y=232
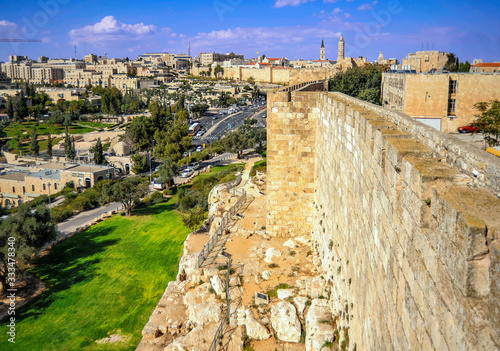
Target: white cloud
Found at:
x=330, y=1
x=336, y=10
x=367, y=6
x=293, y=3
x=8, y=28
x=109, y=30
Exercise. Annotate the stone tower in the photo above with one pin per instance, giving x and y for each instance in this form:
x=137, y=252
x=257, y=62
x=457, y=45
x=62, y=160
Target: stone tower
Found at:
x=322, y=51
x=340, y=58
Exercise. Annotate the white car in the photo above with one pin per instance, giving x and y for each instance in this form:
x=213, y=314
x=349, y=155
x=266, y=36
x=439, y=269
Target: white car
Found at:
x=194, y=165
x=186, y=173
x=199, y=148
x=199, y=134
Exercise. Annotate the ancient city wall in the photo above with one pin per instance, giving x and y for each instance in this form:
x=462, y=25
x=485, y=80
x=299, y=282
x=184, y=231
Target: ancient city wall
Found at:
x=288, y=76
x=404, y=218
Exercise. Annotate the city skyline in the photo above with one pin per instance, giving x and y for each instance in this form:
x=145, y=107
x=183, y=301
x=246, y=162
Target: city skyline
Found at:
x=290, y=28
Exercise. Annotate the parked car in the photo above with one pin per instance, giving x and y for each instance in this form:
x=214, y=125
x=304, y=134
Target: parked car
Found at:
x=199, y=148
x=194, y=165
x=186, y=173
x=469, y=128
x=200, y=133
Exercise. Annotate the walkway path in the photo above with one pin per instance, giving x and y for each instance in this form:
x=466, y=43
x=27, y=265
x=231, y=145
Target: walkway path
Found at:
x=71, y=224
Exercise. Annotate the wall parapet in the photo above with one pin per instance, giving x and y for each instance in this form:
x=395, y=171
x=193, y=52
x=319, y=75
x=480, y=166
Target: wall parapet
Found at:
x=404, y=220
x=484, y=168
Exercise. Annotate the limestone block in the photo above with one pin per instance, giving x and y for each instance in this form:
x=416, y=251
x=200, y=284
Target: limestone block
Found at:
x=271, y=253
x=284, y=293
x=266, y=275
x=218, y=285
x=300, y=303
x=255, y=330
x=203, y=306
x=285, y=322
x=290, y=243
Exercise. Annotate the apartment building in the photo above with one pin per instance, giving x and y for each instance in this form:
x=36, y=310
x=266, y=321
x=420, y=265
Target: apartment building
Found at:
x=444, y=101
x=207, y=58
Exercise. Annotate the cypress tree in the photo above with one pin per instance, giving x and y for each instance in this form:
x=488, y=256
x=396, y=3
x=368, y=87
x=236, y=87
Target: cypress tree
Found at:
x=35, y=148
x=49, y=146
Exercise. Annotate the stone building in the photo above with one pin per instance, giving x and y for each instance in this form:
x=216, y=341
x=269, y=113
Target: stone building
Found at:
x=425, y=61
x=485, y=67
x=443, y=101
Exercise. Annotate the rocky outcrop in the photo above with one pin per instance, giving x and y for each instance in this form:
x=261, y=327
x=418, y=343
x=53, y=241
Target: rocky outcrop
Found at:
x=285, y=322
x=255, y=330
x=218, y=285
x=319, y=328
x=202, y=306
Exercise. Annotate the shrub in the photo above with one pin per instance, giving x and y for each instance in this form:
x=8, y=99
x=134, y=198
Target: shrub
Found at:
x=157, y=197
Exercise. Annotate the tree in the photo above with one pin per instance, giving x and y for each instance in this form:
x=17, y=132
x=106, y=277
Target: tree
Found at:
x=27, y=231
x=21, y=107
x=35, y=148
x=251, y=80
x=127, y=192
x=10, y=109
x=69, y=147
x=167, y=171
x=193, y=218
x=98, y=153
x=49, y=145
x=360, y=82
x=464, y=67
x=140, y=163
x=489, y=121
x=218, y=70
x=452, y=63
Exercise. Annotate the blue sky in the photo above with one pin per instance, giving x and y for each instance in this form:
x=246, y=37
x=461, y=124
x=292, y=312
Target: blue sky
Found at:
x=290, y=28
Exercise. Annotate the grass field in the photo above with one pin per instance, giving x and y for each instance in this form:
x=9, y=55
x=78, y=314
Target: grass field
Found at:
x=96, y=124
x=105, y=279
x=26, y=147
x=18, y=129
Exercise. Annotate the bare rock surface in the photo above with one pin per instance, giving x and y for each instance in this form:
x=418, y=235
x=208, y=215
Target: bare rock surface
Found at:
x=255, y=330
x=202, y=306
x=318, y=326
x=285, y=322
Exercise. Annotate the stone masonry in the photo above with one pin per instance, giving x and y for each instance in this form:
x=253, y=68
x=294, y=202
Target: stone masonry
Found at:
x=405, y=220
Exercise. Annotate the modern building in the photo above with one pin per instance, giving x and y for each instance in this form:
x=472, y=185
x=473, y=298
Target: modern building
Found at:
x=207, y=58
x=444, y=101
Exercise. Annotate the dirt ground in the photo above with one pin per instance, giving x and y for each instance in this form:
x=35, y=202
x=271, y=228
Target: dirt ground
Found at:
x=247, y=244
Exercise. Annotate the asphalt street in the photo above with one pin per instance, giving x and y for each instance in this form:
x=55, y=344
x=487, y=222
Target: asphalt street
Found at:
x=70, y=225
x=223, y=124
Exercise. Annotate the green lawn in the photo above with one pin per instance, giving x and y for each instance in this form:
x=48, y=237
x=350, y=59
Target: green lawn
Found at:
x=105, y=279
x=96, y=124
x=26, y=146
x=18, y=129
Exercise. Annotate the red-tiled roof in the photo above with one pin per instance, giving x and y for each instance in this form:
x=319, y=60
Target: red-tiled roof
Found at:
x=251, y=63
x=281, y=67
x=487, y=64
x=274, y=59
x=264, y=64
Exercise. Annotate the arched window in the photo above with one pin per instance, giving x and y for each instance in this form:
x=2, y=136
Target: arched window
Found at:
x=55, y=186
x=44, y=186
x=32, y=187
x=14, y=189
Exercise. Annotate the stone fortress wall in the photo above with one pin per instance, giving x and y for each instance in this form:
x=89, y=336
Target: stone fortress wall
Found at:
x=289, y=76
x=405, y=220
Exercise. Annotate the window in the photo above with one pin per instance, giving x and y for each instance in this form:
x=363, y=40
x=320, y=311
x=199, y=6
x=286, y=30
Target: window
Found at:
x=43, y=186
x=451, y=107
x=32, y=187
x=453, y=87
x=14, y=189
x=55, y=186
x=24, y=189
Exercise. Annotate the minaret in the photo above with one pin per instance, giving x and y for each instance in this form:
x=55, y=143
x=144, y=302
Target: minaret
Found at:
x=322, y=51
x=340, y=58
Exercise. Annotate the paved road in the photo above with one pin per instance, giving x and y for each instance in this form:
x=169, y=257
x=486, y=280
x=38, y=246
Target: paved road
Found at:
x=217, y=128
x=70, y=225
